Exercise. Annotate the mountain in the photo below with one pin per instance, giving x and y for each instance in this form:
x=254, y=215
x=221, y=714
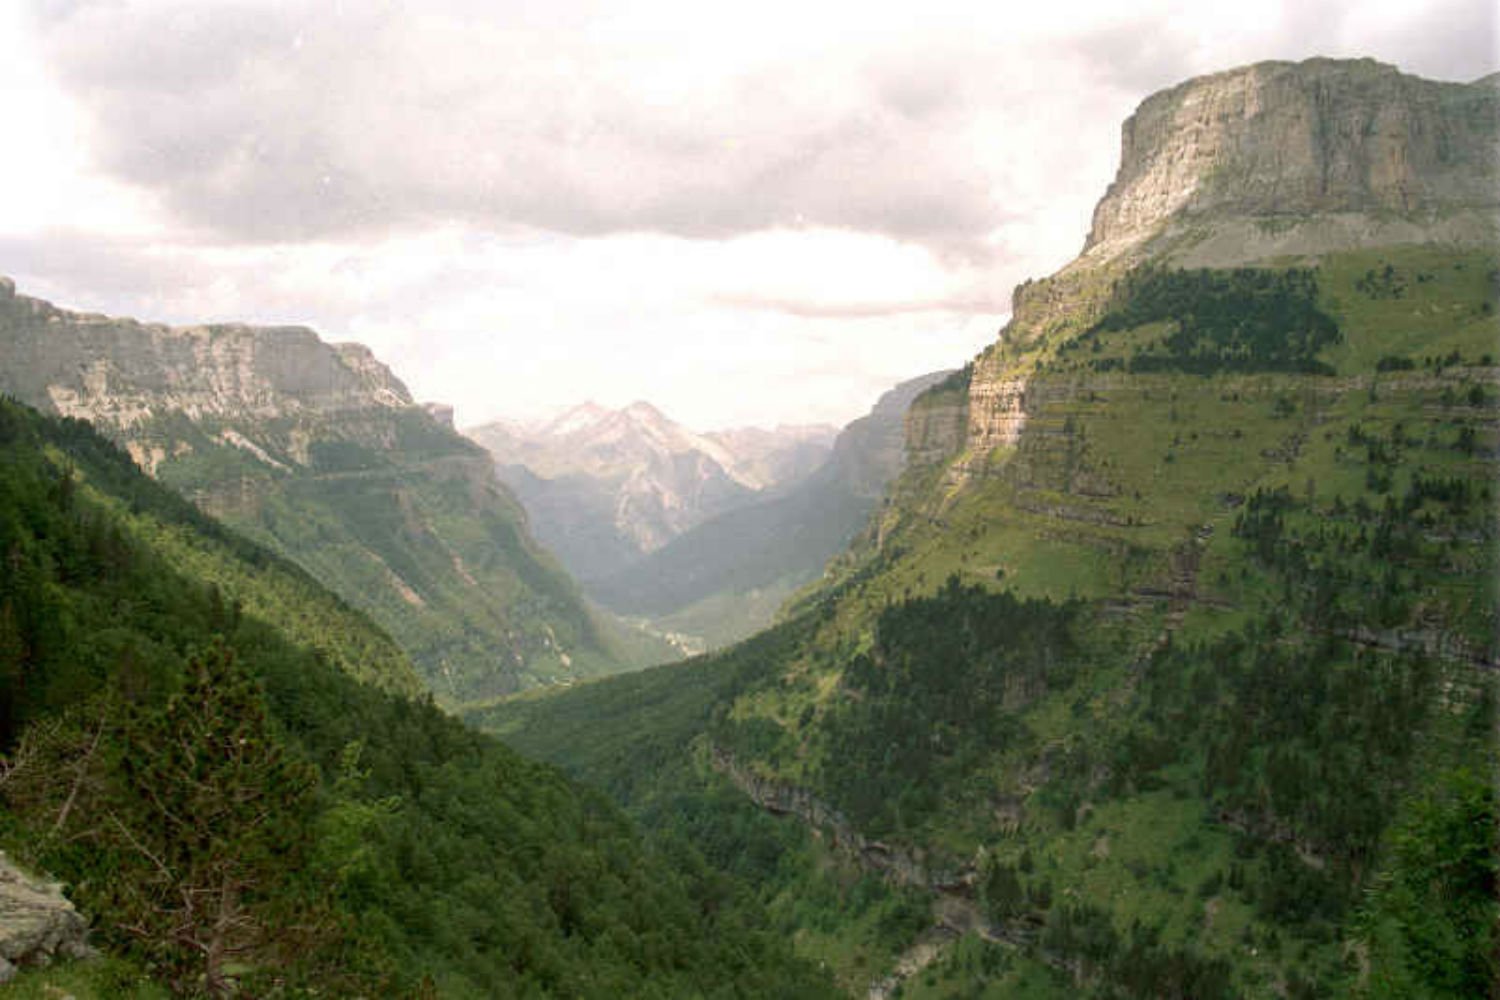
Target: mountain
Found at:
x=1168, y=667
x=777, y=457
x=604, y=487
x=319, y=452
x=774, y=545
x=229, y=772
x=1289, y=158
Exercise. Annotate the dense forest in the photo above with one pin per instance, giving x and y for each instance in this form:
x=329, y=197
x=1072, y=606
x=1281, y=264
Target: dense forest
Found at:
x=234, y=813
x=1240, y=320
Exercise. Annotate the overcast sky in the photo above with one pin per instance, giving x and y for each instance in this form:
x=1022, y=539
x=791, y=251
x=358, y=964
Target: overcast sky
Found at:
x=746, y=213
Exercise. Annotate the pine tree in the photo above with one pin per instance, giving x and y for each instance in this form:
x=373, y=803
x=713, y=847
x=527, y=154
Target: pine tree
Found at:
x=211, y=817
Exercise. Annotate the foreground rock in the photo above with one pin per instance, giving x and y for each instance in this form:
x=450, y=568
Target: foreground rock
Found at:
x=37, y=923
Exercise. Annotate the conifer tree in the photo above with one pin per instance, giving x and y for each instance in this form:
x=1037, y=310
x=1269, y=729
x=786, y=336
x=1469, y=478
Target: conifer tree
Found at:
x=211, y=815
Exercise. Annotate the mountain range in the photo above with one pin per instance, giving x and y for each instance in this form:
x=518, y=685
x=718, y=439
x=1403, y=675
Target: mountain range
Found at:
x=700, y=536
x=1167, y=666
x=318, y=451
x=605, y=487
x=1160, y=658
x=723, y=578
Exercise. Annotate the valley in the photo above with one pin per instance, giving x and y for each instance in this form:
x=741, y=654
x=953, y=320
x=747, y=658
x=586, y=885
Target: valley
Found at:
x=1123, y=657
x=699, y=538
x=1154, y=652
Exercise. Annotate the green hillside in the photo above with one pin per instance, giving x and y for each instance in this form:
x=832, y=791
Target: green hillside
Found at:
x=412, y=529
x=318, y=452
x=237, y=815
x=1188, y=692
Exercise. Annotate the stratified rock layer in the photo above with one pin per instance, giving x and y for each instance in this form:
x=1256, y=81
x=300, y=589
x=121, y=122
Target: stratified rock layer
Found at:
x=1271, y=161
x=1294, y=140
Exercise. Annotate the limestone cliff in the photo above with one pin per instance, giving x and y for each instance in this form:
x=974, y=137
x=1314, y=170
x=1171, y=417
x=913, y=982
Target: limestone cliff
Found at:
x=319, y=451
x=1285, y=143
x=1275, y=160
x=119, y=372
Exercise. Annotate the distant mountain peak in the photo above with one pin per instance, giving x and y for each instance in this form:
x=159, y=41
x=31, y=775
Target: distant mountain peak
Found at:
x=578, y=418
x=644, y=410
x=639, y=473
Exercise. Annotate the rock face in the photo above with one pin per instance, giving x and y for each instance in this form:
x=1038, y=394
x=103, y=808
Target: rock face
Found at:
x=937, y=421
x=871, y=451
x=119, y=373
x=319, y=451
x=1266, y=161
x=901, y=865
x=1292, y=141
x=605, y=487
x=37, y=923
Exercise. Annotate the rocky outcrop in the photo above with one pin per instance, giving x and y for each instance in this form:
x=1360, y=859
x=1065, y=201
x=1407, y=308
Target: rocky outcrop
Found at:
x=1265, y=161
x=1288, y=144
x=37, y=923
x=937, y=424
x=997, y=412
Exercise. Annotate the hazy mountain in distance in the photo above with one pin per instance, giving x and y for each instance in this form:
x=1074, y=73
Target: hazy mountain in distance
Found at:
x=781, y=541
x=605, y=487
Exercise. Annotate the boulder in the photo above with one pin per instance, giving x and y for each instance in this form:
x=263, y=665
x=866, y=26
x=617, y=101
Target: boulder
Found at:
x=37, y=923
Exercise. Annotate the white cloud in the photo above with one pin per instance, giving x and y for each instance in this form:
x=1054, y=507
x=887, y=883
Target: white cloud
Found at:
x=741, y=212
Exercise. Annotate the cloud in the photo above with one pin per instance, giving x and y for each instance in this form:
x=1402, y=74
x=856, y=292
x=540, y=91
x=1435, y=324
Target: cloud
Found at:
x=271, y=122
x=808, y=309
x=520, y=204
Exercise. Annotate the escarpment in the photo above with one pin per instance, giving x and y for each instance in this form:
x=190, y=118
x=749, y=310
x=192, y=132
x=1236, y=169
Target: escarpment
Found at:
x=1285, y=143
x=120, y=372
x=1272, y=161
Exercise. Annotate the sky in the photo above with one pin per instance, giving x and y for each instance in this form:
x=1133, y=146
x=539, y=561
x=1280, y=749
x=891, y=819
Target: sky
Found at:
x=747, y=214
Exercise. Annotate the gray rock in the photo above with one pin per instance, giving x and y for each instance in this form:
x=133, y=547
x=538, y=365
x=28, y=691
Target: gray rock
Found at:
x=37, y=922
x=1371, y=155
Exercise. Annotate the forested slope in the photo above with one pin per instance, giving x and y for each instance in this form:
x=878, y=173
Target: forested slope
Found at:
x=235, y=813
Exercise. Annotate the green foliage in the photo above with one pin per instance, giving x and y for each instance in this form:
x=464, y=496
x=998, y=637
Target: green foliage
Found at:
x=399, y=516
x=188, y=823
x=358, y=842
x=1135, y=964
x=1233, y=776
x=1432, y=923
x=1244, y=320
x=640, y=736
x=941, y=691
